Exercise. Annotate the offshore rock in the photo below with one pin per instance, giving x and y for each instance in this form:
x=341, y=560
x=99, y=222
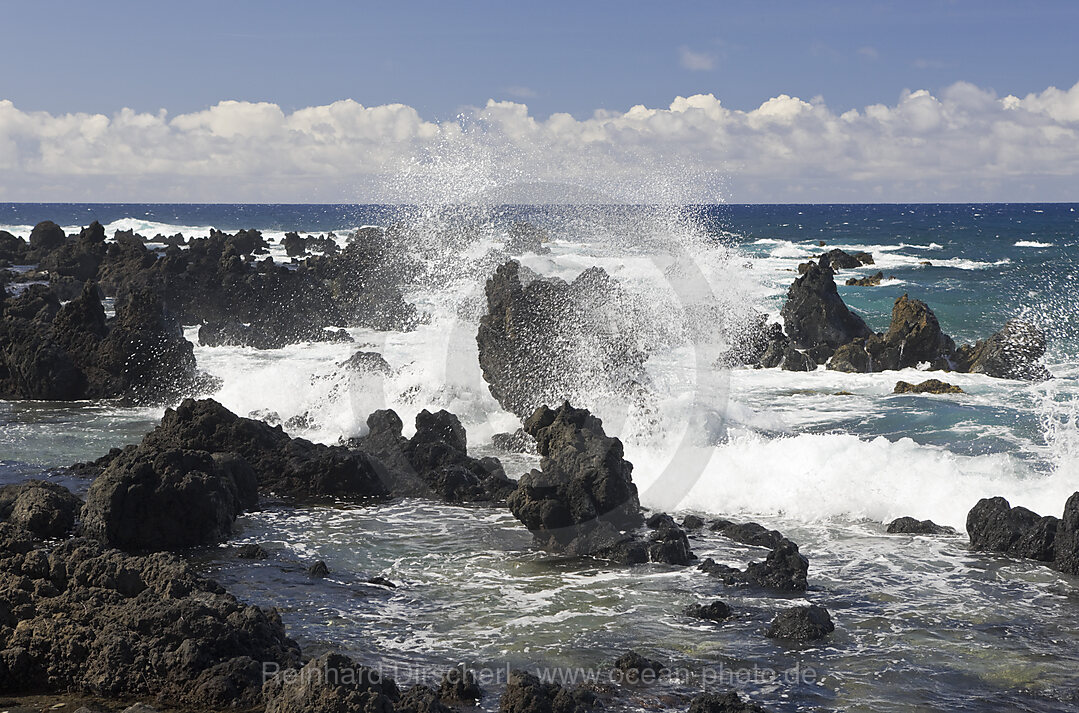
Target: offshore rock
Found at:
x=1015, y=352
x=929, y=386
x=995, y=526
x=910, y=526
x=815, y=314
x=546, y=341
x=801, y=624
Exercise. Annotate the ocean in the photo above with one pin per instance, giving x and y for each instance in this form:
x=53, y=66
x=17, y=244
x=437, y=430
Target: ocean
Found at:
x=825, y=457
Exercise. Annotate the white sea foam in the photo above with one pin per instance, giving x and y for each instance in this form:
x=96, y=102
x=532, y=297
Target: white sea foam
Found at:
x=1032, y=244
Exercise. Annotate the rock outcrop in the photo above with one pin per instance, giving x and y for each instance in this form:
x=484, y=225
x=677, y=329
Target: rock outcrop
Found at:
x=284, y=466
x=815, y=314
x=73, y=352
x=582, y=500
x=1015, y=352
x=168, y=500
x=995, y=526
x=86, y=619
x=713, y=611
x=549, y=340
x=784, y=570
x=868, y=281
x=728, y=702
x=331, y=682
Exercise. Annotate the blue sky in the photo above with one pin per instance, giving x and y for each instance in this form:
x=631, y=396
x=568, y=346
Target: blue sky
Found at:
x=744, y=101
x=556, y=56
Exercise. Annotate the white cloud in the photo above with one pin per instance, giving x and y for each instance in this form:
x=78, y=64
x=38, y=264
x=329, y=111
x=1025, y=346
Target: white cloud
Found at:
x=869, y=52
x=962, y=144
x=696, y=61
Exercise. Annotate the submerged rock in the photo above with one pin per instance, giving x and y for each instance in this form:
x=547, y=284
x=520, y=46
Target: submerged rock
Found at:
x=728, y=702
x=929, y=386
x=869, y=281
x=713, y=611
x=802, y=624
x=784, y=570
x=637, y=668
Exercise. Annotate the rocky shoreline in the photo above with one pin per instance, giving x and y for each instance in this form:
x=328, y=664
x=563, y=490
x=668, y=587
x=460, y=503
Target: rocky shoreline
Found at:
x=98, y=598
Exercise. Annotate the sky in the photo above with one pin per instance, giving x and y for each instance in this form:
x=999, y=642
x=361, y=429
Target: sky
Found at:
x=749, y=101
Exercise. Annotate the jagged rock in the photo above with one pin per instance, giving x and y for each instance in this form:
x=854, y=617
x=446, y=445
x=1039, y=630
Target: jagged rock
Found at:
x=251, y=551
x=995, y=526
x=13, y=249
x=85, y=619
x=815, y=313
x=435, y=461
x=78, y=259
x=168, y=500
x=794, y=360
x=291, y=467
x=864, y=258
x=785, y=569
x=525, y=693
x=837, y=259
x=583, y=498
x=43, y=509
x=869, y=281
x=667, y=542
x=549, y=340
x=1014, y=352
x=332, y=683
x=929, y=386
x=713, y=611
x=1067, y=538
x=421, y=699
x=72, y=352
x=459, y=686
x=910, y=526
x=294, y=245
x=801, y=624
x=692, y=522
x=760, y=344
x=916, y=336
x=749, y=533
x=318, y=570
x=728, y=702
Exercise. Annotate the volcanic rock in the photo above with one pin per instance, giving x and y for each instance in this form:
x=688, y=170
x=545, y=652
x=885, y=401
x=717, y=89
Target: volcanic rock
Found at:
x=802, y=624
x=929, y=386
x=815, y=313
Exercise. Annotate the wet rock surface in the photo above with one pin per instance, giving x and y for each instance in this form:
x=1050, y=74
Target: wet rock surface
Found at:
x=541, y=342
x=802, y=624
x=929, y=386
x=525, y=693
x=815, y=313
x=1012, y=353
x=911, y=526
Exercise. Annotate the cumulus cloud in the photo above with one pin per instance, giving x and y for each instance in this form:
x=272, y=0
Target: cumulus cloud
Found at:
x=964, y=143
x=696, y=61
